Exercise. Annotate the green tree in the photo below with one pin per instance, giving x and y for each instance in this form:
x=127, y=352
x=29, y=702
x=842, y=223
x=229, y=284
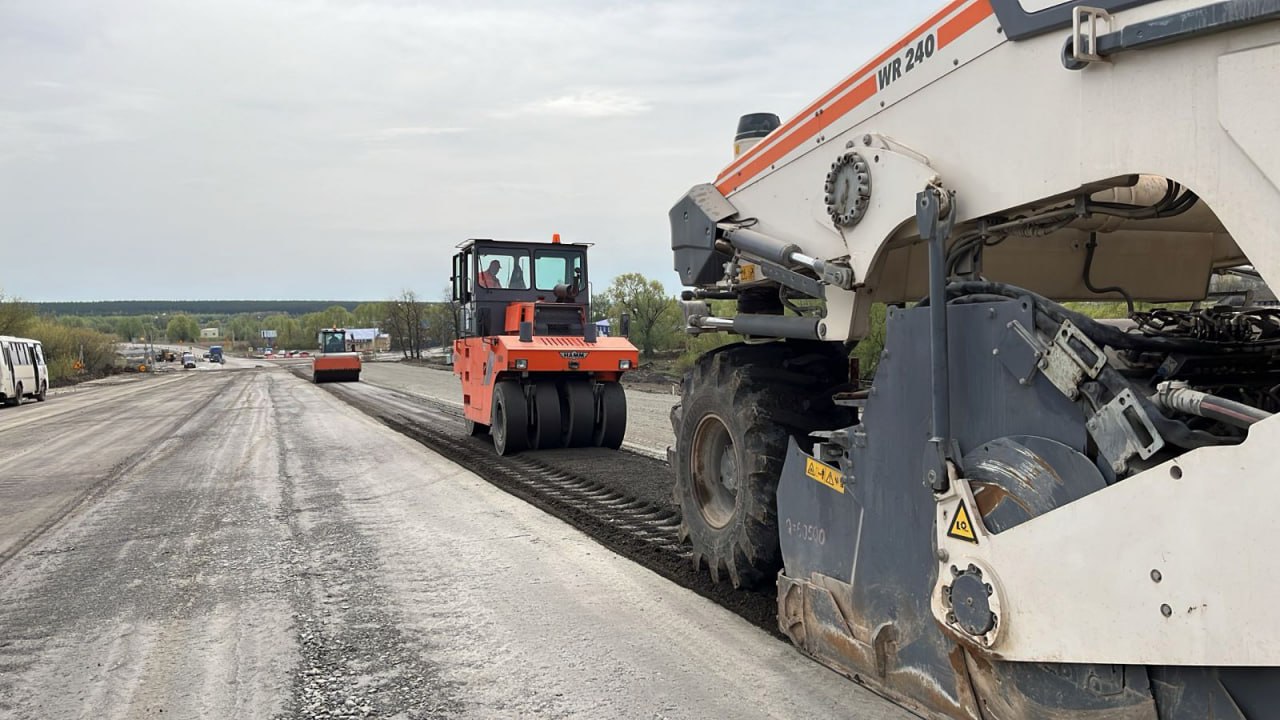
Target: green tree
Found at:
x=654, y=315
x=310, y=324
x=871, y=346
x=601, y=308
x=369, y=315
x=182, y=328
x=130, y=329
x=339, y=317
x=288, y=332
x=65, y=346
x=441, y=324
x=404, y=323
x=15, y=316
x=244, y=328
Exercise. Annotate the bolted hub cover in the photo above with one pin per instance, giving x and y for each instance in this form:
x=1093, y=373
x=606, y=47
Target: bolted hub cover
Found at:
x=848, y=190
x=969, y=602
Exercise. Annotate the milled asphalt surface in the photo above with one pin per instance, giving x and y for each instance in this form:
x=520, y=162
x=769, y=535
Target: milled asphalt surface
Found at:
x=241, y=543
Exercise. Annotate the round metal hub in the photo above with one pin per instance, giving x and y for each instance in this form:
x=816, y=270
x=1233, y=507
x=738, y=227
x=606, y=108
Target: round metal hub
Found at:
x=715, y=471
x=970, y=604
x=848, y=190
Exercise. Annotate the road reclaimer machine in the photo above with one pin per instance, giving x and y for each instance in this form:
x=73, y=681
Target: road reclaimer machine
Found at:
x=1027, y=513
x=535, y=373
x=334, y=362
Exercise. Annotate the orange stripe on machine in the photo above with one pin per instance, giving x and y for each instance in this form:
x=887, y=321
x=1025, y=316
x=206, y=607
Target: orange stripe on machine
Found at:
x=963, y=22
x=919, y=45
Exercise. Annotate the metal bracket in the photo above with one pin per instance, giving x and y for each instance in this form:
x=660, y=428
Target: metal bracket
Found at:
x=1020, y=351
x=694, y=311
x=1084, y=46
x=1122, y=429
x=836, y=273
x=793, y=280
x=1070, y=358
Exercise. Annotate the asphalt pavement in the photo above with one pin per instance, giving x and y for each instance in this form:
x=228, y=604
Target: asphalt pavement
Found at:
x=244, y=544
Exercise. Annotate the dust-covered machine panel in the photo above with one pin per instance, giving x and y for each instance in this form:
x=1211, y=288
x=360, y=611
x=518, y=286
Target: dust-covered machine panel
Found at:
x=1024, y=511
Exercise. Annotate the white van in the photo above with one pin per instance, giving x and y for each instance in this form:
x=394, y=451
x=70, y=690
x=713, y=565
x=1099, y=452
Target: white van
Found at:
x=23, y=373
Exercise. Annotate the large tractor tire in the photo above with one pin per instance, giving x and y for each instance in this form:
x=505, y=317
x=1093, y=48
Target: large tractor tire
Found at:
x=739, y=405
x=510, y=425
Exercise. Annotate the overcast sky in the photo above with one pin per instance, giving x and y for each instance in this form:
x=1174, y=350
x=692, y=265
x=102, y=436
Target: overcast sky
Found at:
x=311, y=149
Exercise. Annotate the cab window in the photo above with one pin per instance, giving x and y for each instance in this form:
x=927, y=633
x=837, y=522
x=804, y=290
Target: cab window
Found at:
x=505, y=269
x=332, y=342
x=558, y=267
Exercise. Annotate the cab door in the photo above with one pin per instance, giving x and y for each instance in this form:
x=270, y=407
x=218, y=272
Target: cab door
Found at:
x=8, y=373
x=37, y=368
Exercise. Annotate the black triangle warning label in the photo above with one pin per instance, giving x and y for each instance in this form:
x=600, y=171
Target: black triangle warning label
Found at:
x=961, y=527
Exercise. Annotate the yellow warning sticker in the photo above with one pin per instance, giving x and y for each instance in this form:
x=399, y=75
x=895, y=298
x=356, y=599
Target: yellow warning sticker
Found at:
x=961, y=526
x=824, y=474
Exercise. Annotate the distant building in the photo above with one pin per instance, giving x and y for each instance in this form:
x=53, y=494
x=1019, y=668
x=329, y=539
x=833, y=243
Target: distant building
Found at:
x=210, y=334
x=368, y=340
x=602, y=327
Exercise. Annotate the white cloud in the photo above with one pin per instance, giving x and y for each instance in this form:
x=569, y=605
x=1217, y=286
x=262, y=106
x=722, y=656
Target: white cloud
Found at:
x=400, y=133
x=587, y=104
x=261, y=140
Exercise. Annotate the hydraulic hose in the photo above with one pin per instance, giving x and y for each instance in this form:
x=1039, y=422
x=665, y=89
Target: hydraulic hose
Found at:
x=1094, y=330
x=1050, y=315
x=1088, y=269
x=1180, y=398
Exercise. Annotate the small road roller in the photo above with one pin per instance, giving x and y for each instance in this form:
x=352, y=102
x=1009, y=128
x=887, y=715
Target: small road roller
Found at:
x=334, y=363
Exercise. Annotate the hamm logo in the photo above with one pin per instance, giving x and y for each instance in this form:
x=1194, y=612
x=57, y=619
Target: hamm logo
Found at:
x=575, y=354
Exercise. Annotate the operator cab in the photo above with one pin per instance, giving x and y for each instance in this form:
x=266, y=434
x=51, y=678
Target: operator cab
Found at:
x=501, y=285
x=333, y=341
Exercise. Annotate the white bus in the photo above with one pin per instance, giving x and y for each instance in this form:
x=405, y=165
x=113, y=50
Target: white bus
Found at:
x=23, y=373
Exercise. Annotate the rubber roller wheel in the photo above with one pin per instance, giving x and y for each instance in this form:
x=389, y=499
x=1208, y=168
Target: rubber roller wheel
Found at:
x=611, y=422
x=475, y=429
x=577, y=413
x=547, y=429
x=510, y=424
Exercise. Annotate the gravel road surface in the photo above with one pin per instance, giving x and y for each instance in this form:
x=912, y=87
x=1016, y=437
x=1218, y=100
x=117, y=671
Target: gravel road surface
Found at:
x=648, y=414
x=244, y=544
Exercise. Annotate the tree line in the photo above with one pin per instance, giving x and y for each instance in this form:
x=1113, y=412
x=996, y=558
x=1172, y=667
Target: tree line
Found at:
x=653, y=319
x=216, y=308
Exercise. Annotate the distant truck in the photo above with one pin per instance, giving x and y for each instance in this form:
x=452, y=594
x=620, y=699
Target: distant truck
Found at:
x=215, y=354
